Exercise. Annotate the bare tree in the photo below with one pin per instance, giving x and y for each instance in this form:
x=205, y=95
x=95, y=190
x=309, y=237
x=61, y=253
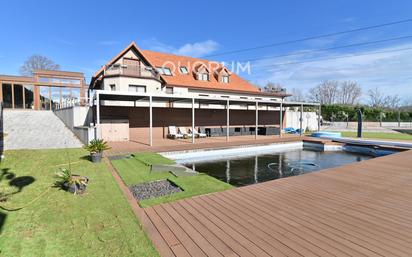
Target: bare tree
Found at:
x=297, y=95
x=37, y=62
x=392, y=101
x=376, y=98
x=349, y=93
x=325, y=93
x=273, y=87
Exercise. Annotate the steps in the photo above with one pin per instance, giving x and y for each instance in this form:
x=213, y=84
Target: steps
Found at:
x=36, y=130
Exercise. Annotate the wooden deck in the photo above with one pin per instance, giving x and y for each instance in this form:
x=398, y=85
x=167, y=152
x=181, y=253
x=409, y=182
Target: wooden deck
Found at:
x=361, y=209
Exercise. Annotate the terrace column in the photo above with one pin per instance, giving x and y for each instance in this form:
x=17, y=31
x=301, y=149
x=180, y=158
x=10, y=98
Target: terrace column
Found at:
x=257, y=120
x=193, y=120
x=319, y=114
x=281, y=119
x=227, y=120
x=150, y=121
x=301, y=120
x=97, y=110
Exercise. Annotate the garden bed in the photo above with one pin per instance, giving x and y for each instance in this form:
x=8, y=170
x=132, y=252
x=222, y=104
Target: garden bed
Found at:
x=154, y=189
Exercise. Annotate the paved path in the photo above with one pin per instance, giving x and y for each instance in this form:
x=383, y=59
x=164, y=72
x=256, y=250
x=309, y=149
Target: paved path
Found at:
x=36, y=130
x=360, y=209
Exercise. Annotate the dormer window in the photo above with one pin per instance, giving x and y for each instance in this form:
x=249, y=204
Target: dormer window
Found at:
x=164, y=71
x=225, y=79
x=202, y=73
x=203, y=76
x=222, y=75
x=183, y=70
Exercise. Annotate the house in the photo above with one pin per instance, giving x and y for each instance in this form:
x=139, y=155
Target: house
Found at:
x=138, y=94
x=45, y=90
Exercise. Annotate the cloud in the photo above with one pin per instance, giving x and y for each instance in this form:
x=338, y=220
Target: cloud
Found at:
x=389, y=71
x=196, y=49
x=108, y=43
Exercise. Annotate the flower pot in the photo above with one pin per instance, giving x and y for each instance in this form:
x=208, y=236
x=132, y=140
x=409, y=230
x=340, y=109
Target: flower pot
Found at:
x=96, y=157
x=76, y=188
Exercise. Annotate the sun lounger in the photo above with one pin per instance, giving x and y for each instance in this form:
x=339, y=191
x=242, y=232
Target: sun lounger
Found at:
x=197, y=133
x=173, y=133
x=184, y=132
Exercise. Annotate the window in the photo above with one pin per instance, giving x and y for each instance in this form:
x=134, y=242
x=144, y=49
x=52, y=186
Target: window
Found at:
x=113, y=87
x=167, y=71
x=164, y=71
x=183, y=70
x=160, y=70
x=203, y=76
x=225, y=79
x=169, y=90
x=137, y=88
x=7, y=96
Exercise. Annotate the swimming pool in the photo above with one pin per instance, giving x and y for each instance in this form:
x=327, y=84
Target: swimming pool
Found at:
x=255, y=168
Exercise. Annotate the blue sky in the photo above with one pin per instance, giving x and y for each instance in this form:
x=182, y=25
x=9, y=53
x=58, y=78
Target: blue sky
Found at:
x=83, y=35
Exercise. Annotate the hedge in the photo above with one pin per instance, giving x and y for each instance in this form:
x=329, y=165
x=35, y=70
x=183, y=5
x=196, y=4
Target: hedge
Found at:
x=340, y=112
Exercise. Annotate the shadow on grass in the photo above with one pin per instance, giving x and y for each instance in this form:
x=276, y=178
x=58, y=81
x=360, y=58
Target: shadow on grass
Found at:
x=16, y=182
x=3, y=217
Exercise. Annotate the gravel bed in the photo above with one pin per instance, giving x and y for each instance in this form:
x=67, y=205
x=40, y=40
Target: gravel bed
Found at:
x=154, y=189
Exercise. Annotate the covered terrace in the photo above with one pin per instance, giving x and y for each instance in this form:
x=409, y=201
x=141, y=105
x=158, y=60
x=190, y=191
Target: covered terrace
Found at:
x=195, y=103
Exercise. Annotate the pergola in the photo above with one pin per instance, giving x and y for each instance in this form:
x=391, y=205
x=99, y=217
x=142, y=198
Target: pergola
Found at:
x=103, y=95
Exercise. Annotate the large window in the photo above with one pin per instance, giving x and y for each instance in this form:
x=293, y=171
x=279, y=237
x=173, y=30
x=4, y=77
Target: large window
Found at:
x=7, y=96
x=55, y=97
x=137, y=88
x=18, y=96
x=29, y=96
x=44, y=98
x=76, y=95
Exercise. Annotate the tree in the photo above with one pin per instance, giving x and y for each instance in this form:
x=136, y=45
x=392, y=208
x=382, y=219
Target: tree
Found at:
x=376, y=98
x=297, y=95
x=380, y=100
x=325, y=93
x=273, y=87
x=349, y=93
x=37, y=62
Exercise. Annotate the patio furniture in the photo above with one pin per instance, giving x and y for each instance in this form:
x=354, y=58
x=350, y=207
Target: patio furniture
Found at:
x=184, y=132
x=197, y=133
x=173, y=133
x=289, y=130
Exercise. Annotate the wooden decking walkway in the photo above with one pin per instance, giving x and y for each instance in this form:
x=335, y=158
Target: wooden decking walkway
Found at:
x=361, y=209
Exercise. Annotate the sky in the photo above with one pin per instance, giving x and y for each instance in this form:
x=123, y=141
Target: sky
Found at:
x=84, y=35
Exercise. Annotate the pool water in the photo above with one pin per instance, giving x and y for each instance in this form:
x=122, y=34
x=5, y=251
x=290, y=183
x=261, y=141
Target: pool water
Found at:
x=249, y=170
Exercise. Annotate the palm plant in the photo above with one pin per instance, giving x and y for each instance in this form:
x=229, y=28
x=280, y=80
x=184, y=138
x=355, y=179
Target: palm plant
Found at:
x=73, y=183
x=96, y=148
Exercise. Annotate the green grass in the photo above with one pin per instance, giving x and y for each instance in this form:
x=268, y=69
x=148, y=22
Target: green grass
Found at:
x=98, y=223
x=379, y=135
x=136, y=170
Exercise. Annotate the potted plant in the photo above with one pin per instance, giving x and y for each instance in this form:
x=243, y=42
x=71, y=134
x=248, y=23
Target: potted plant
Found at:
x=96, y=148
x=75, y=184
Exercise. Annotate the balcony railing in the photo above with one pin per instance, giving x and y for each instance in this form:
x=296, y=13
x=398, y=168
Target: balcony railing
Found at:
x=133, y=71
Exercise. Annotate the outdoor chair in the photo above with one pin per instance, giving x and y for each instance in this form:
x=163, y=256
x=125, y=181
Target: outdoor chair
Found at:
x=173, y=133
x=197, y=133
x=184, y=132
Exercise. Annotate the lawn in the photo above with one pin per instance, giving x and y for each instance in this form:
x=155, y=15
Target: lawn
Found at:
x=379, y=135
x=57, y=223
x=135, y=170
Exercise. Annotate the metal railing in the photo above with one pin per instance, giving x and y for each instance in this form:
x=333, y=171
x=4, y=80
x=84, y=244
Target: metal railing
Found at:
x=131, y=70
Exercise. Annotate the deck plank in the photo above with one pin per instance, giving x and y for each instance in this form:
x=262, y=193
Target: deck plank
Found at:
x=360, y=209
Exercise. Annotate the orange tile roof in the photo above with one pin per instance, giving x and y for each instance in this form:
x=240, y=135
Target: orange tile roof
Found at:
x=174, y=62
